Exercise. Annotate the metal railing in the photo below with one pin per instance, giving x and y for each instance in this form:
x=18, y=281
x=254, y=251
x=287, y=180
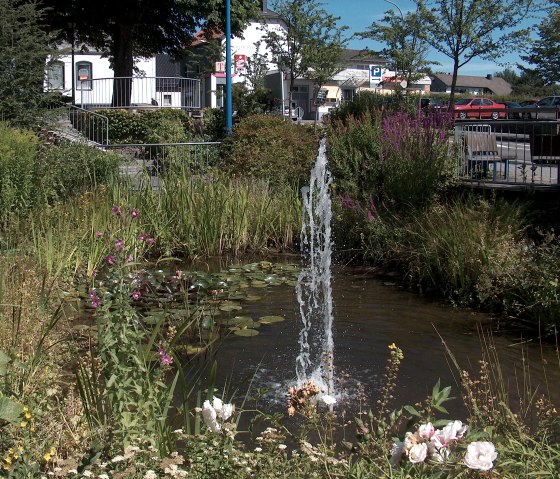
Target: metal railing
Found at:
x=78, y=124
x=140, y=92
x=527, y=152
x=157, y=159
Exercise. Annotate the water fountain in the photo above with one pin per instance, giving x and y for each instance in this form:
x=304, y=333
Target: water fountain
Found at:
x=314, y=291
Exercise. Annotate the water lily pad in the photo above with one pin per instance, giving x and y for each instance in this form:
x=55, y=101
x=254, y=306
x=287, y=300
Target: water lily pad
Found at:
x=246, y=332
x=252, y=297
x=258, y=284
x=236, y=320
x=271, y=319
x=230, y=307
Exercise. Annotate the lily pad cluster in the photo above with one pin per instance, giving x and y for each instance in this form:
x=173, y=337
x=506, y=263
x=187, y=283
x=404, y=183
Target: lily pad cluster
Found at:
x=215, y=301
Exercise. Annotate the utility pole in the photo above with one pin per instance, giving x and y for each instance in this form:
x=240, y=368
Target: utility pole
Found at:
x=229, y=103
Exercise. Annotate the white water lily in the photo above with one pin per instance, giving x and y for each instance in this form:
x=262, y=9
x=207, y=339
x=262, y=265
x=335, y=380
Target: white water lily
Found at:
x=418, y=453
x=328, y=400
x=209, y=416
x=480, y=455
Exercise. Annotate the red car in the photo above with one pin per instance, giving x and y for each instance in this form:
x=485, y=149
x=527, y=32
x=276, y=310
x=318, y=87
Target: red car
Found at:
x=479, y=108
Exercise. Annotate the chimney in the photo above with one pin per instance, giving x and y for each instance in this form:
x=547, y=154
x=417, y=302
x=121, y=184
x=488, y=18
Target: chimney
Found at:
x=489, y=76
x=264, y=6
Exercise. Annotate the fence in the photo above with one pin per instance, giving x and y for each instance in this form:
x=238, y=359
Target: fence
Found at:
x=509, y=152
x=155, y=159
x=140, y=92
x=77, y=124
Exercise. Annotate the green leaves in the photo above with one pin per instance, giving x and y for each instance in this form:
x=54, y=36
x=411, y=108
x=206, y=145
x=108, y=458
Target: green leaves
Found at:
x=10, y=410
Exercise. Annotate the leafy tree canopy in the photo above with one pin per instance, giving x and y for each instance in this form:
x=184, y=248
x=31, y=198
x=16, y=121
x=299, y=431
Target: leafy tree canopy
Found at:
x=466, y=29
x=544, y=53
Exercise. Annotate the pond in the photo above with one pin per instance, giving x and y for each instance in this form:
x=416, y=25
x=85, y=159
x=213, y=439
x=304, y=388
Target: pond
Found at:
x=370, y=314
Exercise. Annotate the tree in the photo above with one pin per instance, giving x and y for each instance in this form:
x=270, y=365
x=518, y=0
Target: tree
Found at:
x=406, y=48
x=545, y=51
x=126, y=29
x=466, y=29
x=311, y=45
x=24, y=46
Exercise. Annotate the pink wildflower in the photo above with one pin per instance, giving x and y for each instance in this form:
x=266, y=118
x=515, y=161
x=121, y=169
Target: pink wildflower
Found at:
x=134, y=213
x=165, y=358
x=136, y=295
x=119, y=244
x=115, y=209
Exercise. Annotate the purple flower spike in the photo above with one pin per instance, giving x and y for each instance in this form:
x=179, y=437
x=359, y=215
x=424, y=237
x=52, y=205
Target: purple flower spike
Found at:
x=165, y=359
x=136, y=295
x=119, y=244
x=115, y=209
x=95, y=302
x=110, y=260
x=134, y=213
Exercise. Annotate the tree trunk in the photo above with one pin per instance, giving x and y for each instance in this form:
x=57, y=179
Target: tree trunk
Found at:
x=453, y=83
x=123, y=66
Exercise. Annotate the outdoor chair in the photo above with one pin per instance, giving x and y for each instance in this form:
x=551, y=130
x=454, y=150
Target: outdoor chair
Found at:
x=482, y=151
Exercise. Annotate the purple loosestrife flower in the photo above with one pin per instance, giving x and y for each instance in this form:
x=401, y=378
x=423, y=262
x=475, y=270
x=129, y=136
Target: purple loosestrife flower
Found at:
x=134, y=213
x=136, y=295
x=115, y=209
x=119, y=244
x=95, y=301
x=165, y=359
x=110, y=260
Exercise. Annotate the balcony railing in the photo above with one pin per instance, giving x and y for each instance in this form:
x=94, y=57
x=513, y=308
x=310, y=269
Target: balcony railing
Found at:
x=140, y=92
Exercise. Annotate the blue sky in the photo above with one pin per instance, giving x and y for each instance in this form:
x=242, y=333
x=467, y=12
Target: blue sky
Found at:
x=359, y=14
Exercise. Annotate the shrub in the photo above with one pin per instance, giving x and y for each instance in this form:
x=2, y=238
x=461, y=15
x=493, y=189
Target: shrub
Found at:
x=269, y=147
x=166, y=126
x=125, y=127
x=18, y=149
x=68, y=170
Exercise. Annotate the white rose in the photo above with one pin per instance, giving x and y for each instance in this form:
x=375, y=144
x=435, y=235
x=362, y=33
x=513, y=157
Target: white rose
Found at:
x=217, y=404
x=397, y=453
x=226, y=411
x=480, y=455
x=418, y=453
x=426, y=431
x=209, y=415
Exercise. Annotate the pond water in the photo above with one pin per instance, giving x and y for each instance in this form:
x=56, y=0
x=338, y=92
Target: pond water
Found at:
x=369, y=315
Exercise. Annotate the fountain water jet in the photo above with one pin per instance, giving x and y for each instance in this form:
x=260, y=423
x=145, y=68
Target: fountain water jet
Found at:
x=314, y=291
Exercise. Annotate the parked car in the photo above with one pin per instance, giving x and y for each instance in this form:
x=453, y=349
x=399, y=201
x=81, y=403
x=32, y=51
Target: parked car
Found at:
x=550, y=105
x=479, y=108
x=427, y=104
x=513, y=105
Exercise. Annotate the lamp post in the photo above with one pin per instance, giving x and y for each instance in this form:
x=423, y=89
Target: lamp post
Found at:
x=402, y=19
x=228, y=105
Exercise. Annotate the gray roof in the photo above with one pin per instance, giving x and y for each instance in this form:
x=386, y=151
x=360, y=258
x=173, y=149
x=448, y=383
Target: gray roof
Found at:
x=494, y=84
x=366, y=56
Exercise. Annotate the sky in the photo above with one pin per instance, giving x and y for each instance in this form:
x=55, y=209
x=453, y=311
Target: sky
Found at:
x=358, y=15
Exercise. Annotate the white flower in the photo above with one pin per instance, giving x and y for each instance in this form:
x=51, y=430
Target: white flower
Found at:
x=103, y=476
x=217, y=404
x=480, y=455
x=118, y=459
x=150, y=474
x=409, y=440
x=258, y=449
x=440, y=455
x=397, y=453
x=328, y=400
x=418, y=453
x=426, y=431
x=453, y=431
x=226, y=411
x=209, y=415
x=282, y=446
x=87, y=473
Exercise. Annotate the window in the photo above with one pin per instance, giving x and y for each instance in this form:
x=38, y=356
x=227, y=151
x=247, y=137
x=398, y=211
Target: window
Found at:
x=84, y=75
x=166, y=100
x=348, y=94
x=55, y=76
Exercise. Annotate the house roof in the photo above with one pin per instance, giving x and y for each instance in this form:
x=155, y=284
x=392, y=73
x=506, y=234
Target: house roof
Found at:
x=494, y=84
x=366, y=56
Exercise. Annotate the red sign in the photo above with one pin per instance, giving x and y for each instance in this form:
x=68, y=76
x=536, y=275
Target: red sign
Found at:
x=239, y=62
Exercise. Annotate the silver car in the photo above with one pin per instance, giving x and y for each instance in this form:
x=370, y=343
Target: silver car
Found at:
x=550, y=106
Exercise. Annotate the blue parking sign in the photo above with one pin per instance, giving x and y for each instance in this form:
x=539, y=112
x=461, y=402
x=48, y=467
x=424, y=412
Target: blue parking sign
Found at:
x=375, y=72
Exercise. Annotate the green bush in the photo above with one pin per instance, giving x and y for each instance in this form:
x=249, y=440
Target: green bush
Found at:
x=167, y=126
x=269, y=147
x=18, y=150
x=125, y=127
x=67, y=170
